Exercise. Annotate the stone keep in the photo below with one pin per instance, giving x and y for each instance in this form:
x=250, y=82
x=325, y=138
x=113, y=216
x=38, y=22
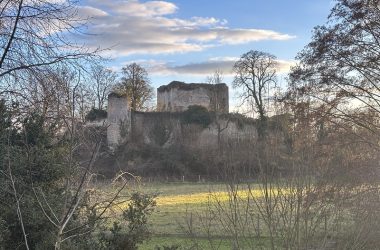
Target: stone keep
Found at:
x=118, y=119
x=178, y=96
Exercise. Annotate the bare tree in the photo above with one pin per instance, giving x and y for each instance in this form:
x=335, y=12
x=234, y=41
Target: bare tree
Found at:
x=217, y=78
x=35, y=43
x=77, y=183
x=255, y=74
x=136, y=85
x=85, y=100
x=35, y=33
x=339, y=71
x=103, y=81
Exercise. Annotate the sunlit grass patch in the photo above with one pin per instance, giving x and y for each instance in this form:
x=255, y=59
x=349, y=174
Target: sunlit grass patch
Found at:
x=177, y=201
x=203, y=197
x=195, y=194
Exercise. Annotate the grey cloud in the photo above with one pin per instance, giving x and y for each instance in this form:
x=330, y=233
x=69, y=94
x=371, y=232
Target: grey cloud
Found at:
x=224, y=64
x=204, y=68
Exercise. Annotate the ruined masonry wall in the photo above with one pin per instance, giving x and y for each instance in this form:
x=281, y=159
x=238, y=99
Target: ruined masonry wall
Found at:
x=176, y=100
x=167, y=129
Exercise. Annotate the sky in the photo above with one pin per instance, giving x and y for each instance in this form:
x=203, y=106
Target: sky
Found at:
x=187, y=40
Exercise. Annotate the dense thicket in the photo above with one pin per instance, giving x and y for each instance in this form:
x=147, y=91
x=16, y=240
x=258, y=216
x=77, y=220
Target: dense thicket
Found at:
x=48, y=83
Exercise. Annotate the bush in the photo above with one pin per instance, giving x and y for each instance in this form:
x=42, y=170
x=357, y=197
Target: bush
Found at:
x=136, y=217
x=4, y=233
x=27, y=147
x=96, y=114
x=196, y=114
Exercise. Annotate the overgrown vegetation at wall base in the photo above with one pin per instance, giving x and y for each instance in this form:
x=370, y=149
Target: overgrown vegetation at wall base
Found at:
x=197, y=115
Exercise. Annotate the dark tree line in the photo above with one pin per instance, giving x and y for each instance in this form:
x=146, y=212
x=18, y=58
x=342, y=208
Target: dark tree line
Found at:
x=47, y=85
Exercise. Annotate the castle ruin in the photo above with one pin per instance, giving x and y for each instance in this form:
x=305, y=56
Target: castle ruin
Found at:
x=165, y=127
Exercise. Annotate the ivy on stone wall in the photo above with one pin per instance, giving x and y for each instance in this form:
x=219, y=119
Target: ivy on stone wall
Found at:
x=161, y=132
x=196, y=114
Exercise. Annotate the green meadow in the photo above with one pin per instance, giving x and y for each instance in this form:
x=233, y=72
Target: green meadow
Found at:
x=175, y=220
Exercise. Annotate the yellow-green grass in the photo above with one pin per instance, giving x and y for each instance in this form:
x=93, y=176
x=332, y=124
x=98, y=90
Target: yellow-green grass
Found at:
x=194, y=194
x=177, y=202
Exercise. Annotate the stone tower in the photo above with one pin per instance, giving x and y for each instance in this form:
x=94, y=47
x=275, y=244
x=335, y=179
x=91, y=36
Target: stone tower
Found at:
x=178, y=96
x=118, y=119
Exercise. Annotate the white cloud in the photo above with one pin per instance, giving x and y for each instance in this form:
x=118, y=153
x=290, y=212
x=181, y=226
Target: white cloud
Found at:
x=236, y=36
x=283, y=66
x=131, y=27
x=90, y=12
x=151, y=8
x=224, y=58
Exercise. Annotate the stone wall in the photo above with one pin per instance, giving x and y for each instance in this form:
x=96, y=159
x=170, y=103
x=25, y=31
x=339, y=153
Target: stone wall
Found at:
x=166, y=129
x=118, y=120
x=178, y=96
x=157, y=128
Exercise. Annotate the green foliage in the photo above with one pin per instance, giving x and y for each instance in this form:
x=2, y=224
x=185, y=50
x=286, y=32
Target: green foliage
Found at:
x=128, y=229
x=37, y=158
x=172, y=162
x=96, y=114
x=5, y=120
x=136, y=217
x=27, y=148
x=141, y=205
x=4, y=233
x=196, y=114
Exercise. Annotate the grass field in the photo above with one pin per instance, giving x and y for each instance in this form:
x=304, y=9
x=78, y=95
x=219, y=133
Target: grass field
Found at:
x=209, y=216
x=176, y=203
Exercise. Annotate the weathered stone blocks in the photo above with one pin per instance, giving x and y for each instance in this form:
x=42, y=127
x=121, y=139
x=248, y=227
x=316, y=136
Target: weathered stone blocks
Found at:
x=118, y=119
x=178, y=96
